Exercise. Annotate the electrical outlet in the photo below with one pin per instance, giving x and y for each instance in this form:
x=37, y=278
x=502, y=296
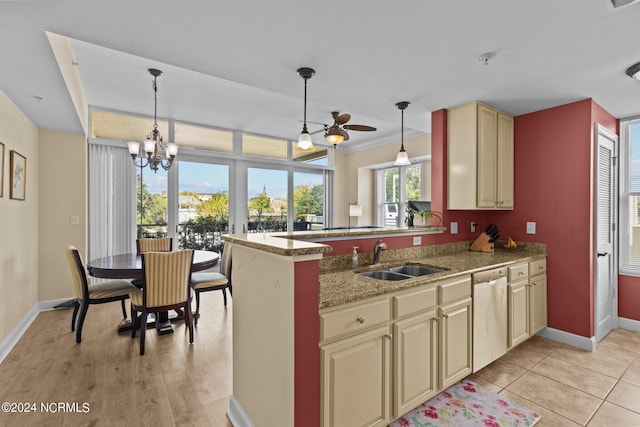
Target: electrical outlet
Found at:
x=473, y=227
x=75, y=219
x=454, y=228
x=417, y=240
x=531, y=228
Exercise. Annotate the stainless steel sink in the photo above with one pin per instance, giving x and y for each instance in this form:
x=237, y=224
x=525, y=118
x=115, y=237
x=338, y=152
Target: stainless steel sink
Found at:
x=402, y=272
x=385, y=275
x=415, y=270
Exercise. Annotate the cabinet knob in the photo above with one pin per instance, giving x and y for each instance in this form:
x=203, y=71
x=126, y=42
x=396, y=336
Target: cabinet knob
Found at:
x=521, y=273
x=360, y=319
x=534, y=284
x=388, y=336
x=445, y=316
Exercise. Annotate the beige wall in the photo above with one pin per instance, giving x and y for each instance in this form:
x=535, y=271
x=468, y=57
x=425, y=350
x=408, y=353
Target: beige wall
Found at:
x=18, y=222
x=355, y=181
x=63, y=194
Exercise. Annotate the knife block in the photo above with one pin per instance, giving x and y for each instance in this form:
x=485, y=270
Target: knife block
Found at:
x=482, y=244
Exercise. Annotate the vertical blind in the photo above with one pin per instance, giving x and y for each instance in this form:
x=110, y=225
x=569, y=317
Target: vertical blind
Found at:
x=112, y=201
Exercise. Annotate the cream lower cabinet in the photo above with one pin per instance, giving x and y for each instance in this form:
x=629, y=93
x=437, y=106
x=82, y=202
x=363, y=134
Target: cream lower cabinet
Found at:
x=375, y=371
x=455, y=334
x=537, y=296
x=527, y=292
x=356, y=374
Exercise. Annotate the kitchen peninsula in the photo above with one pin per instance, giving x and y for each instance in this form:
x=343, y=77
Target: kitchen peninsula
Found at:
x=283, y=281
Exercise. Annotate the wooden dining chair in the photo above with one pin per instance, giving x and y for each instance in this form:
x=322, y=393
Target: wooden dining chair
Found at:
x=213, y=281
x=165, y=286
x=162, y=244
x=95, y=293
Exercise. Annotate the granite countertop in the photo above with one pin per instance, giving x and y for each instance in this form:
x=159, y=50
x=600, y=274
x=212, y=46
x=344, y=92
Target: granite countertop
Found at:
x=300, y=242
x=342, y=287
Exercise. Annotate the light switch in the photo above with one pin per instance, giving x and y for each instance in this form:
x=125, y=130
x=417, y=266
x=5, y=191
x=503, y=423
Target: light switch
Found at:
x=417, y=240
x=454, y=228
x=473, y=227
x=531, y=228
x=75, y=219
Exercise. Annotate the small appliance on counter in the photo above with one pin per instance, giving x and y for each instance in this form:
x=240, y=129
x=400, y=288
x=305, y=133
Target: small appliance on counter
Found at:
x=485, y=241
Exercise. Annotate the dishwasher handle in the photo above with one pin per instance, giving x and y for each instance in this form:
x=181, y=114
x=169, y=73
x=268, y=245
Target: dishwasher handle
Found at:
x=489, y=275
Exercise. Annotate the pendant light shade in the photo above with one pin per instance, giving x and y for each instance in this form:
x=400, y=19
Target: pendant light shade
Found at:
x=304, y=140
x=402, y=159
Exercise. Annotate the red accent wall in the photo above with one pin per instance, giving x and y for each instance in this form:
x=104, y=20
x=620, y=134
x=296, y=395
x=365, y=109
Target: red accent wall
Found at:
x=307, y=336
x=553, y=170
x=629, y=297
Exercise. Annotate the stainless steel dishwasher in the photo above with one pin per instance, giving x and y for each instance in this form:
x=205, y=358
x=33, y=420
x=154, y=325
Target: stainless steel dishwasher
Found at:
x=489, y=316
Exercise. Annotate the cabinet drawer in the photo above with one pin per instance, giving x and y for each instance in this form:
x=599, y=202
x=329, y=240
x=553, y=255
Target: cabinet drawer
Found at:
x=518, y=272
x=354, y=319
x=415, y=302
x=454, y=290
x=538, y=267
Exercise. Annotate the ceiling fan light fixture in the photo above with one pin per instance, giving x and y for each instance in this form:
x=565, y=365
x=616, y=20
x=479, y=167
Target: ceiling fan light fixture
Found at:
x=334, y=135
x=634, y=71
x=402, y=159
x=304, y=140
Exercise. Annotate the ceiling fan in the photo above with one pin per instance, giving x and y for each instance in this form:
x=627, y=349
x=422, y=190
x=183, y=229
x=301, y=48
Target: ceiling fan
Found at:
x=337, y=132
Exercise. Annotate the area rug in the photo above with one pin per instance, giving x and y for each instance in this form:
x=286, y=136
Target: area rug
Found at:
x=468, y=404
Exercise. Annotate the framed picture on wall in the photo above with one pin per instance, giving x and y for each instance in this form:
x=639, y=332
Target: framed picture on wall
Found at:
x=17, y=175
x=1, y=169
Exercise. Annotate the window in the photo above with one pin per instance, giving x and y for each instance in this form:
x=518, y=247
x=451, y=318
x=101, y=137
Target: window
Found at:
x=395, y=187
x=211, y=189
x=630, y=197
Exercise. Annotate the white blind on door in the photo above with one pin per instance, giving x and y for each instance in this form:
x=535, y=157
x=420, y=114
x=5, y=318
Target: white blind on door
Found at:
x=112, y=201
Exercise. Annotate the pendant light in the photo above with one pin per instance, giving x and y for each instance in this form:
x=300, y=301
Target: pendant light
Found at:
x=402, y=159
x=304, y=140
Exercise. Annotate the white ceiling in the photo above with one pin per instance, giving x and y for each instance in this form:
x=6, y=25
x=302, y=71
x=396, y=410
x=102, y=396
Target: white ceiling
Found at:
x=232, y=64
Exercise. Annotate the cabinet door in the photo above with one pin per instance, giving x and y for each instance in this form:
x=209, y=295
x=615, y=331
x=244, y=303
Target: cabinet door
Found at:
x=415, y=361
x=355, y=380
x=504, y=197
x=538, y=303
x=518, y=293
x=454, y=334
x=487, y=156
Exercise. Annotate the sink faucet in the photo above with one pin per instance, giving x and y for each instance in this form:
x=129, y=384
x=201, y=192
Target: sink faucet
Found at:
x=377, y=248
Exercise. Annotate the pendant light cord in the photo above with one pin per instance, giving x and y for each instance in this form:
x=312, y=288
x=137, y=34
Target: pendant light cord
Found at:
x=304, y=125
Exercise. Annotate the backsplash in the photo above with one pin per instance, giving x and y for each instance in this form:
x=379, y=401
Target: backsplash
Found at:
x=343, y=262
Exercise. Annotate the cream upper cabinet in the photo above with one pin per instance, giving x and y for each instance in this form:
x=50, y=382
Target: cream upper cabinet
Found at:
x=479, y=158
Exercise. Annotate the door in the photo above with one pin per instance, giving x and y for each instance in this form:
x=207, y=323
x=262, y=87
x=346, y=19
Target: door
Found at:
x=605, y=213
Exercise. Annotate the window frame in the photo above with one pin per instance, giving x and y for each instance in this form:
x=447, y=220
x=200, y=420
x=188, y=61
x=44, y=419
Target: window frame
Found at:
x=625, y=265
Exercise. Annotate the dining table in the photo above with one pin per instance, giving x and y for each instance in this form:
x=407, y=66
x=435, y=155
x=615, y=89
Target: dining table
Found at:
x=129, y=266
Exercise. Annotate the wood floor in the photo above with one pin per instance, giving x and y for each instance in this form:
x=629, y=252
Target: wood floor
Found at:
x=173, y=384
x=177, y=384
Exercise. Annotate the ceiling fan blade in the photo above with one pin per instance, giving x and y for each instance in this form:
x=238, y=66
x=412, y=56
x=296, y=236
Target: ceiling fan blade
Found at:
x=343, y=118
x=362, y=128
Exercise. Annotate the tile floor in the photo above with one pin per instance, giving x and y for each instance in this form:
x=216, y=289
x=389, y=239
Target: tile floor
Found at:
x=571, y=387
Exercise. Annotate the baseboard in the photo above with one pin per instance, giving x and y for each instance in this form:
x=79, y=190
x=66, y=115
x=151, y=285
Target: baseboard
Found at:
x=588, y=344
x=52, y=303
x=630, y=324
x=12, y=339
x=236, y=414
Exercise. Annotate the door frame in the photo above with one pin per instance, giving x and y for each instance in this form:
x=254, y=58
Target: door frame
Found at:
x=602, y=132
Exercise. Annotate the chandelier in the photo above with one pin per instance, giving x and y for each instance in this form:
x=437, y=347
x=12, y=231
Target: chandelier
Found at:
x=157, y=153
